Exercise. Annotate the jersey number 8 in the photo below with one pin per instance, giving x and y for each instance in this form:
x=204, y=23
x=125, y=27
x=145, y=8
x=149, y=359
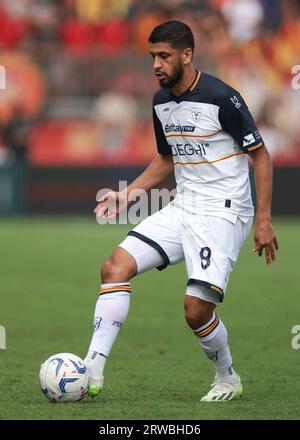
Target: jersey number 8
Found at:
x=205, y=254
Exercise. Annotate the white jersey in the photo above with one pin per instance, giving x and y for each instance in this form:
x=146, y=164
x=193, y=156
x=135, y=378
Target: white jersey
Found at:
x=208, y=129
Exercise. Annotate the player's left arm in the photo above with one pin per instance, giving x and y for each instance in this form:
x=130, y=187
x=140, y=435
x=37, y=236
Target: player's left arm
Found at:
x=264, y=235
x=236, y=119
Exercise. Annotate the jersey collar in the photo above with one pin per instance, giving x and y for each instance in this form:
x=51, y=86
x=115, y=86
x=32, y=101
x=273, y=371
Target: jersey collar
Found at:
x=195, y=82
x=191, y=87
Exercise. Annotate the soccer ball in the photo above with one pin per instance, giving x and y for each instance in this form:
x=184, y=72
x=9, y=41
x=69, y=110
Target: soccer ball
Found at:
x=64, y=378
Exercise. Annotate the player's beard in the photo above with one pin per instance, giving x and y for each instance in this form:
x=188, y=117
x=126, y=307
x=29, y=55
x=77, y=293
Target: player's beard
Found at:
x=171, y=80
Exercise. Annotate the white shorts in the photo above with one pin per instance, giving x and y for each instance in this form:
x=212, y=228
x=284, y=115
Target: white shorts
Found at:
x=210, y=246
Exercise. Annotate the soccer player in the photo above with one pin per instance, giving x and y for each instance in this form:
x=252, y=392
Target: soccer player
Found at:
x=204, y=134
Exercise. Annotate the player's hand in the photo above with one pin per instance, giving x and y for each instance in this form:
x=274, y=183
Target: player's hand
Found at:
x=111, y=204
x=265, y=238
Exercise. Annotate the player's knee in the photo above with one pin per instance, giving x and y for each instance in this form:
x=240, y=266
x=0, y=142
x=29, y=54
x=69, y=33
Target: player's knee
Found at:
x=107, y=270
x=112, y=273
x=197, y=311
x=117, y=270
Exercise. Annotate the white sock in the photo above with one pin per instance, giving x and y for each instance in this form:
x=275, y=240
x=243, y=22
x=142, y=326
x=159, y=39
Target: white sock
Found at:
x=110, y=313
x=95, y=363
x=213, y=339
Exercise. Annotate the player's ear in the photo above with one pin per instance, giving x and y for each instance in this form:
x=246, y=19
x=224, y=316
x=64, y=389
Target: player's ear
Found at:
x=187, y=56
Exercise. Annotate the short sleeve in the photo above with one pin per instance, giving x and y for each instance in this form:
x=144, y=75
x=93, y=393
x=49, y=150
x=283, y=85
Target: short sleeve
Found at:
x=236, y=119
x=162, y=145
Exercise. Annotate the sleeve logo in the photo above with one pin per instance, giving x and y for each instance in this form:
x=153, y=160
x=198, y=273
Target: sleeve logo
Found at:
x=236, y=102
x=249, y=139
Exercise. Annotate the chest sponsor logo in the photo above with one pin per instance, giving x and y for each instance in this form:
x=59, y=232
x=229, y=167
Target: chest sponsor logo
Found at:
x=173, y=128
x=196, y=112
x=248, y=140
x=189, y=149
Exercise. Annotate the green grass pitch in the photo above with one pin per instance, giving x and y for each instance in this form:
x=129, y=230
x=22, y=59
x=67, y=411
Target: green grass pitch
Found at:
x=49, y=281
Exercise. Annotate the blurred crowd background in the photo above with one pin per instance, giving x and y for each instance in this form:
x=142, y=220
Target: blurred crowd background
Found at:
x=79, y=80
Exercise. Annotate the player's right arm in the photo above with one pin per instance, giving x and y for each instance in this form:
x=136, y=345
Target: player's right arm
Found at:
x=114, y=202
x=159, y=169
